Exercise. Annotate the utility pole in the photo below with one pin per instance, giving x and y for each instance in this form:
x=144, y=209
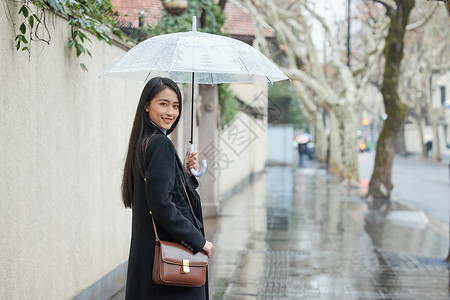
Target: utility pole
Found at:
x=348, y=34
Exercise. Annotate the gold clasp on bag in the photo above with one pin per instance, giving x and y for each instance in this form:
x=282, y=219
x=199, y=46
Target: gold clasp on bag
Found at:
x=185, y=268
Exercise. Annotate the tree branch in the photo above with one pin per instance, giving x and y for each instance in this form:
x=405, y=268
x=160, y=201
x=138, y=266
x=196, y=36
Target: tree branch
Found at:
x=259, y=24
x=423, y=21
x=388, y=4
x=323, y=93
x=344, y=71
x=441, y=68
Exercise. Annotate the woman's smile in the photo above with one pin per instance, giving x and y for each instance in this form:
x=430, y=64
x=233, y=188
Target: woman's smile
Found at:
x=168, y=120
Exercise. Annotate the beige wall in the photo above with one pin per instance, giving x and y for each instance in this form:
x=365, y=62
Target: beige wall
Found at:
x=64, y=135
x=243, y=143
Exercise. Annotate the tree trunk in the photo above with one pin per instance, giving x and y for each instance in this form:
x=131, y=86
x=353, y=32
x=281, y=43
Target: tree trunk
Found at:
x=335, y=165
x=380, y=186
x=420, y=127
x=349, y=144
x=436, y=143
x=401, y=143
x=320, y=140
x=436, y=148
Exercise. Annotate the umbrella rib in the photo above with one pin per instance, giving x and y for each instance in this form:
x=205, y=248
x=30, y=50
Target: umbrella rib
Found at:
x=147, y=76
x=240, y=59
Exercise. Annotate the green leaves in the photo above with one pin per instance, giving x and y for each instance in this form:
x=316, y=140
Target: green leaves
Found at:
x=21, y=39
x=23, y=28
x=84, y=67
x=79, y=48
x=24, y=11
x=35, y=17
x=31, y=21
x=211, y=15
x=229, y=107
x=60, y=6
x=28, y=26
x=95, y=16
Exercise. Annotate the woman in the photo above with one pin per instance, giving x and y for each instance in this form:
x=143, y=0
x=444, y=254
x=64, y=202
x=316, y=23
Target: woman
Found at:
x=153, y=181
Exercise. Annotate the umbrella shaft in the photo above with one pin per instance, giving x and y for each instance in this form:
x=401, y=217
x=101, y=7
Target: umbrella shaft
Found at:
x=192, y=112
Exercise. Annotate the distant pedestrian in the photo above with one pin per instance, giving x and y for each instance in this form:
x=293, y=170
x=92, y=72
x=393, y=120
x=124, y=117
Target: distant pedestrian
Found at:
x=302, y=151
x=153, y=181
x=429, y=146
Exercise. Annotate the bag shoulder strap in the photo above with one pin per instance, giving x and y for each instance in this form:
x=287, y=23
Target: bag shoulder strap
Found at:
x=189, y=201
x=190, y=205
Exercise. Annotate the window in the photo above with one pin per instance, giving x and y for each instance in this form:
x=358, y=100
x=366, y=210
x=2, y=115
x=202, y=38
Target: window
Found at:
x=442, y=89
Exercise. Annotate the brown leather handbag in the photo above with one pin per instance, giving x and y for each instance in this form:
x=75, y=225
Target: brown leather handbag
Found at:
x=175, y=265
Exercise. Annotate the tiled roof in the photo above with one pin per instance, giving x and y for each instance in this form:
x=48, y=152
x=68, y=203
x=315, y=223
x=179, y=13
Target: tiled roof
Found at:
x=129, y=10
x=238, y=24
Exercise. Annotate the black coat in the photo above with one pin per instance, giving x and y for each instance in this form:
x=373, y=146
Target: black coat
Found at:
x=166, y=199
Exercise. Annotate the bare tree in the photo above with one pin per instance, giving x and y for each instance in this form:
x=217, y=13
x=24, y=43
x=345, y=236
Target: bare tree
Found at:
x=333, y=86
x=380, y=186
x=427, y=52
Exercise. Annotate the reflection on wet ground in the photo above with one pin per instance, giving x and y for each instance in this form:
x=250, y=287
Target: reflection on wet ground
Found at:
x=299, y=234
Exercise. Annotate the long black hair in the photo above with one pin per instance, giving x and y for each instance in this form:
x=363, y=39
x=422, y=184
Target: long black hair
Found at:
x=141, y=132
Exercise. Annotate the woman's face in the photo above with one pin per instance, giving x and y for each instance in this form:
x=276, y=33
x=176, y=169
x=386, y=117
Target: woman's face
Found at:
x=164, y=108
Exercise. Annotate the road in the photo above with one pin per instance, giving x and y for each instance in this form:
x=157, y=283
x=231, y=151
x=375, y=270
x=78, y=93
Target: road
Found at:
x=419, y=182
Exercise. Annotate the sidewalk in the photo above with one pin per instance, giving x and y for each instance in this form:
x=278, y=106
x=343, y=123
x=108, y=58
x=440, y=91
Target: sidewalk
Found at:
x=298, y=234
x=422, y=183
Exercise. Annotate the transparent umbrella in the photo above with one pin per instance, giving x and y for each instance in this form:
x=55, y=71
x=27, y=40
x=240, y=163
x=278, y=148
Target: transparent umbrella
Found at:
x=195, y=57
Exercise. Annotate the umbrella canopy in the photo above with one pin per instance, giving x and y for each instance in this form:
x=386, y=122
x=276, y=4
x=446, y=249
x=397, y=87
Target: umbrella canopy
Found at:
x=213, y=58
x=303, y=138
x=195, y=57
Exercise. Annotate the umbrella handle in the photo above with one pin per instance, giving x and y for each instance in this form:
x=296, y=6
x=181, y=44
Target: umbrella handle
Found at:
x=193, y=171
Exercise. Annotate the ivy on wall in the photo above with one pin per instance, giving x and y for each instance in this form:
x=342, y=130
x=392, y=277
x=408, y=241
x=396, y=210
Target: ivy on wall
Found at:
x=96, y=16
x=228, y=105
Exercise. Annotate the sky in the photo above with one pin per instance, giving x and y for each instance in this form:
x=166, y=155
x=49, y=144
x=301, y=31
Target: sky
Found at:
x=334, y=12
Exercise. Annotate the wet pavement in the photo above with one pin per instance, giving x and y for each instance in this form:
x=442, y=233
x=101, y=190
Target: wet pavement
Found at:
x=297, y=233
x=413, y=178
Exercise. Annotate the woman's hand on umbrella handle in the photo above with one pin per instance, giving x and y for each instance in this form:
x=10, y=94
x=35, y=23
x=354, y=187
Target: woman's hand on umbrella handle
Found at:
x=190, y=162
x=192, y=170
